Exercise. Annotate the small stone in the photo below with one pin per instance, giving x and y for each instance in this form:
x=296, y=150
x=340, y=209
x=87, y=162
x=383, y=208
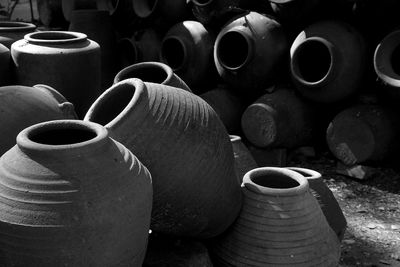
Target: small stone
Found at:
x=349, y=241
x=395, y=227
x=384, y=262
x=381, y=208
x=372, y=225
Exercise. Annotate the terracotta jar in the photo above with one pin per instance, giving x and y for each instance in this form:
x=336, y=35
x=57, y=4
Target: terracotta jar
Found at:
x=279, y=119
x=363, y=133
x=280, y=224
x=187, y=48
x=5, y=66
x=72, y=196
x=327, y=201
x=24, y=106
x=154, y=72
x=68, y=61
x=97, y=25
x=11, y=31
x=249, y=50
x=244, y=161
x=179, y=137
x=327, y=61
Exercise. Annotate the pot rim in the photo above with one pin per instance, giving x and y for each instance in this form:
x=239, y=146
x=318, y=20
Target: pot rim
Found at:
x=16, y=26
x=149, y=64
x=311, y=174
x=197, y=3
x=25, y=143
x=249, y=184
x=73, y=37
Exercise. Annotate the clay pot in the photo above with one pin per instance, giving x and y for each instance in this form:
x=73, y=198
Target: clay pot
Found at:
x=181, y=140
x=386, y=57
x=5, y=66
x=278, y=119
x=362, y=133
x=280, y=224
x=97, y=25
x=24, y=106
x=328, y=61
x=228, y=107
x=188, y=49
x=249, y=50
x=154, y=72
x=11, y=31
x=68, y=61
x=327, y=201
x=83, y=199
x=244, y=161
x=50, y=13
x=142, y=47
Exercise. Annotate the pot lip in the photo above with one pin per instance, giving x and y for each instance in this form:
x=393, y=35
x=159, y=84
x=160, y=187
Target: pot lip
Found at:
x=137, y=8
x=149, y=64
x=256, y=188
x=383, y=52
x=235, y=138
x=311, y=174
x=16, y=26
x=197, y=3
x=294, y=67
x=25, y=143
x=74, y=37
x=185, y=52
x=138, y=87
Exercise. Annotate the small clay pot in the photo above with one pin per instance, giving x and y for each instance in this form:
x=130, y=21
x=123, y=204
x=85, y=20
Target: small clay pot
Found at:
x=11, y=31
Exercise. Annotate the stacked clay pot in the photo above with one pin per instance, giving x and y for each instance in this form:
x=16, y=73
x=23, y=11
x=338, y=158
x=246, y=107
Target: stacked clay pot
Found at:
x=180, y=138
x=280, y=223
x=72, y=196
x=67, y=61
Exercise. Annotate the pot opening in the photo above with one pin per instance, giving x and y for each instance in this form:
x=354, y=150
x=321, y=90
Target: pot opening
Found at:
x=313, y=61
x=395, y=60
x=275, y=180
x=144, y=8
x=233, y=50
x=153, y=74
x=61, y=136
x=173, y=53
x=127, y=52
x=52, y=36
x=112, y=104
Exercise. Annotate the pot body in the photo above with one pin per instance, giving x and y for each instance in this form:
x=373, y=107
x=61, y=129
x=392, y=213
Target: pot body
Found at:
x=244, y=161
x=181, y=140
x=327, y=201
x=327, y=61
x=67, y=61
x=188, y=49
x=11, y=31
x=83, y=199
x=294, y=11
x=24, y=106
x=278, y=119
x=362, y=133
x=154, y=72
x=280, y=223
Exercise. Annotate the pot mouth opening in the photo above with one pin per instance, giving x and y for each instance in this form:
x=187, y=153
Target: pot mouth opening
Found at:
x=276, y=180
x=147, y=71
x=55, y=37
x=233, y=50
x=16, y=26
x=144, y=8
x=112, y=103
x=202, y=2
x=312, y=62
x=128, y=52
x=395, y=60
x=173, y=53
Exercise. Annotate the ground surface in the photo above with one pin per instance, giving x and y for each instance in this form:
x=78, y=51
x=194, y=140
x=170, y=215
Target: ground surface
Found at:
x=372, y=210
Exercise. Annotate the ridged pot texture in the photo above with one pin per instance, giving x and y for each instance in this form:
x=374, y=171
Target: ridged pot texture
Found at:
x=72, y=196
x=181, y=140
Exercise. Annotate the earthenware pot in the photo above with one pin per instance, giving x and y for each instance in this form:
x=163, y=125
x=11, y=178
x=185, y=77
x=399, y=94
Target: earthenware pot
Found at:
x=11, y=31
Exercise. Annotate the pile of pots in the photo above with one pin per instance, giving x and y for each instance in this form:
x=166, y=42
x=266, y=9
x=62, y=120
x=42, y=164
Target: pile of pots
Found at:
x=121, y=117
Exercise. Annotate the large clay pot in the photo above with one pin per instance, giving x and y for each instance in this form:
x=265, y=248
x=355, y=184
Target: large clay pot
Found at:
x=362, y=133
x=11, y=31
x=5, y=66
x=154, y=72
x=181, y=140
x=387, y=68
x=327, y=201
x=328, y=61
x=144, y=46
x=280, y=224
x=97, y=25
x=24, y=106
x=228, y=106
x=279, y=119
x=188, y=49
x=249, y=50
x=244, y=161
x=68, y=61
x=50, y=13
x=72, y=196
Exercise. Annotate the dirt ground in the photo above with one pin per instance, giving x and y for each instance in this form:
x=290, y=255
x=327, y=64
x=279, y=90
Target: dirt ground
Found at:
x=372, y=210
